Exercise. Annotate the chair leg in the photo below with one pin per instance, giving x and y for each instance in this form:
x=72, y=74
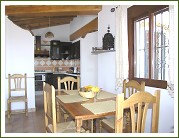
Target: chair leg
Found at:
x=9, y=109
x=26, y=108
x=92, y=125
x=65, y=116
x=86, y=125
x=128, y=122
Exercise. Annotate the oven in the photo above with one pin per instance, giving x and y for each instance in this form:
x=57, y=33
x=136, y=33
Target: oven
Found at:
x=40, y=77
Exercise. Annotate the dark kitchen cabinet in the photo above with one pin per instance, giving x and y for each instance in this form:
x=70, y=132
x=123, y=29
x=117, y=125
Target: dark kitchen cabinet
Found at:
x=52, y=79
x=59, y=50
x=72, y=52
x=55, y=80
x=55, y=50
x=49, y=78
x=64, y=50
x=38, y=85
x=75, y=50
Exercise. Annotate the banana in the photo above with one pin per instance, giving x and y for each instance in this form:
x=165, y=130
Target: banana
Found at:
x=90, y=88
x=95, y=89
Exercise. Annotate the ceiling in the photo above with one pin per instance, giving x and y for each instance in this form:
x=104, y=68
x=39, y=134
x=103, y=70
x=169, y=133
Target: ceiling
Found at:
x=32, y=17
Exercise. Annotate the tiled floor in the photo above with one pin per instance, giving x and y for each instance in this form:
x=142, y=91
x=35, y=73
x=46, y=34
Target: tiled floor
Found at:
x=34, y=123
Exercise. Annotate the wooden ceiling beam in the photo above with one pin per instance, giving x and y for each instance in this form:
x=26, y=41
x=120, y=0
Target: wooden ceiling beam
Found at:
x=43, y=25
x=51, y=10
x=43, y=20
x=31, y=17
x=88, y=28
x=27, y=28
x=15, y=18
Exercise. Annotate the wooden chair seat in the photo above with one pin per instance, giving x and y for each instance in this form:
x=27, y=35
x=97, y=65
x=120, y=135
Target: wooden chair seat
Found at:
x=18, y=89
x=110, y=122
x=65, y=127
x=17, y=99
x=109, y=125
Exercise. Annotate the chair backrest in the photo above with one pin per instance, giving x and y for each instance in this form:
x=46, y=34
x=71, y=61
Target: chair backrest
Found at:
x=132, y=87
x=68, y=82
x=49, y=107
x=17, y=82
x=138, y=102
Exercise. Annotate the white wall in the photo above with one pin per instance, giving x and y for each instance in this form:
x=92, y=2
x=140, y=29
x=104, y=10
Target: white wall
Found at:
x=88, y=62
x=61, y=32
x=106, y=73
x=105, y=18
x=166, y=113
x=103, y=66
x=106, y=61
x=19, y=57
x=80, y=21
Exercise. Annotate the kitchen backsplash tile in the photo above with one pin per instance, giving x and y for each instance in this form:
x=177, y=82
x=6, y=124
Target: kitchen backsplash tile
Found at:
x=48, y=64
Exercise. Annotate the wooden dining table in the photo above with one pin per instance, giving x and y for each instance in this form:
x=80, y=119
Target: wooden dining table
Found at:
x=81, y=108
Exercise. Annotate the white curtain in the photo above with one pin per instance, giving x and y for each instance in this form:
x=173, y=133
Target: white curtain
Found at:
x=121, y=45
x=170, y=80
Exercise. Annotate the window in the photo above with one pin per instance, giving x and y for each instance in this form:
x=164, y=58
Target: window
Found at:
x=148, y=32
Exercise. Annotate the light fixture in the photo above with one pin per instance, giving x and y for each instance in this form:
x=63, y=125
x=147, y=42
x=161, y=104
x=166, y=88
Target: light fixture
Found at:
x=49, y=35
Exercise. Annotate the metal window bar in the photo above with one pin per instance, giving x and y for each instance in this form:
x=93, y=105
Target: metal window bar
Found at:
x=146, y=68
x=160, y=51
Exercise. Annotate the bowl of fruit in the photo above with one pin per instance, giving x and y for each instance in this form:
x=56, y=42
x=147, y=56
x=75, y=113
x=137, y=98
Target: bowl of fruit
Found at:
x=89, y=91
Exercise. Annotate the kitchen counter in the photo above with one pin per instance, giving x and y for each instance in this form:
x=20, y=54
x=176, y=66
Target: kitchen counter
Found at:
x=51, y=77
x=71, y=74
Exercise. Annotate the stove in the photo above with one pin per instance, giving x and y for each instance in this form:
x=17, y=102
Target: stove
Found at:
x=40, y=77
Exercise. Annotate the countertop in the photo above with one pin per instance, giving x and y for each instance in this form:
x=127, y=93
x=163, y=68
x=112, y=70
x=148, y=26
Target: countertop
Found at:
x=45, y=72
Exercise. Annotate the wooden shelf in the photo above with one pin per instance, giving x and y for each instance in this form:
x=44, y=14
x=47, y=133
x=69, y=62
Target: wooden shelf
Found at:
x=101, y=51
x=39, y=53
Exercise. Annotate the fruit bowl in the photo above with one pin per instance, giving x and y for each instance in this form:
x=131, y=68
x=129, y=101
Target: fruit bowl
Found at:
x=89, y=91
x=88, y=94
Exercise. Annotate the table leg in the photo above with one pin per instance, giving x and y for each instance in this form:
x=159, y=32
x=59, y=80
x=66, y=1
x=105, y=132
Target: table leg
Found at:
x=58, y=112
x=78, y=125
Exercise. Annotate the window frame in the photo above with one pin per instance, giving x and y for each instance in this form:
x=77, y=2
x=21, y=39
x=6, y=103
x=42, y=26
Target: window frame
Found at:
x=133, y=13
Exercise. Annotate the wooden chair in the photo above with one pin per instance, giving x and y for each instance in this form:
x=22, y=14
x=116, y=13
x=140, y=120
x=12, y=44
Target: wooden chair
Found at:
x=17, y=92
x=50, y=113
x=68, y=83
x=129, y=88
x=132, y=87
x=138, y=102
